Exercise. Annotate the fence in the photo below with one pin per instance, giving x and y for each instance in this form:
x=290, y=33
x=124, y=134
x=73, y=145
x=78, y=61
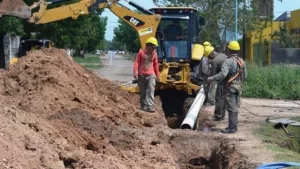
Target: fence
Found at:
x=284, y=55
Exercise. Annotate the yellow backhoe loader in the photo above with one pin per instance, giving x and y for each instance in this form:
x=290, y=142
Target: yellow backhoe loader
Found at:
x=29, y=45
x=175, y=54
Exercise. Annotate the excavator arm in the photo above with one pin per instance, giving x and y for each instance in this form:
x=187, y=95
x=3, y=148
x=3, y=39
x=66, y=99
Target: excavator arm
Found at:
x=145, y=23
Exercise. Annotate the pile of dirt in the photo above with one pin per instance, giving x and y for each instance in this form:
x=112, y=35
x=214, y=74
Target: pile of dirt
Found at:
x=57, y=114
x=47, y=82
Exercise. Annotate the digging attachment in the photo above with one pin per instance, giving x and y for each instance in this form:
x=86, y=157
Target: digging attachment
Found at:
x=15, y=8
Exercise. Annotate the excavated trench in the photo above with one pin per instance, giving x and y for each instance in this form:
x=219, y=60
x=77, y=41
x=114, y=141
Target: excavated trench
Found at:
x=175, y=105
x=194, y=150
x=172, y=102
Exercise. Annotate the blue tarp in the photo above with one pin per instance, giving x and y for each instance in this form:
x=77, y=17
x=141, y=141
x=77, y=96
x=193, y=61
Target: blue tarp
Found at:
x=279, y=165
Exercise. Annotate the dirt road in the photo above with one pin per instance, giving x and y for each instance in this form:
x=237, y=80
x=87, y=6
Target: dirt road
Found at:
x=253, y=112
x=120, y=69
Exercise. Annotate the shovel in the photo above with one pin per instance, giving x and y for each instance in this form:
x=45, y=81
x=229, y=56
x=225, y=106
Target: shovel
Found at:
x=130, y=82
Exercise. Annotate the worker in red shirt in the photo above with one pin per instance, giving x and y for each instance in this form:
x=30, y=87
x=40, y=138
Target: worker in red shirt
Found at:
x=146, y=71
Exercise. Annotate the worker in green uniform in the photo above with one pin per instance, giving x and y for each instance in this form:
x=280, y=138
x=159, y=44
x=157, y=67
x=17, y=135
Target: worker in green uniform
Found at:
x=216, y=61
x=235, y=73
x=210, y=89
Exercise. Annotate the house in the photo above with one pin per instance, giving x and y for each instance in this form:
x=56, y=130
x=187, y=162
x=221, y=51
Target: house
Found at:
x=258, y=43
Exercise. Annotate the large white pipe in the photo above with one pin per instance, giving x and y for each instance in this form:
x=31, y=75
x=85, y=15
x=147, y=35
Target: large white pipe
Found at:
x=191, y=117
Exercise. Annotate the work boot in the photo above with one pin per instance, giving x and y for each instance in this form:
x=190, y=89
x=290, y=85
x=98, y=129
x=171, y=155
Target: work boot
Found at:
x=143, y=108
x=229, y=131
x=216, y=118
x=235, y=128
x=151, y=110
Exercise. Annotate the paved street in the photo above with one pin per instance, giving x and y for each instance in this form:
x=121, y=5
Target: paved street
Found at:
x=121, y=69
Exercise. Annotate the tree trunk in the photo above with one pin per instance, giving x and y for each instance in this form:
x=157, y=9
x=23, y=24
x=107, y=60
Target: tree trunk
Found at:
x=79, y=53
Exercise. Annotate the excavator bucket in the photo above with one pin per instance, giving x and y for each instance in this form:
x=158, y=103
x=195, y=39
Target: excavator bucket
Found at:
x=15, y=8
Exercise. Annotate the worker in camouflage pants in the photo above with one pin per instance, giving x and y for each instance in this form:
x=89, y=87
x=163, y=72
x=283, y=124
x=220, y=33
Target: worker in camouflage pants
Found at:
x=147, y=72
x=235, y=73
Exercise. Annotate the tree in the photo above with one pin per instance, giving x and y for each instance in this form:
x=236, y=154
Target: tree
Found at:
x=11, y=25
x=86, y=33
x=285, y=39
x=126, y=36
x=115, y=45
x=103, y=45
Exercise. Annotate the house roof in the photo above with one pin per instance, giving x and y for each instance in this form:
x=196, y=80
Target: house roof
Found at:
x=286, y=16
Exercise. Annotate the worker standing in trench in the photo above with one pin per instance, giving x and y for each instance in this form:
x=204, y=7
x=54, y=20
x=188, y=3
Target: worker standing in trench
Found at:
x=234, y=72
x=147, y=72
x=217, y=59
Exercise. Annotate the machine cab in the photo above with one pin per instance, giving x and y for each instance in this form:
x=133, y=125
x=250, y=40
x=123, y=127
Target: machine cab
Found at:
x=175, y=33
x=33, y=44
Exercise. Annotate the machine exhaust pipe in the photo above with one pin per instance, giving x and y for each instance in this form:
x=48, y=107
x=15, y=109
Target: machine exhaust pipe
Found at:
x=191, y=117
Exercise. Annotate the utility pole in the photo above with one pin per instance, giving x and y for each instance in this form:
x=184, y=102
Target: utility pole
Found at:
x=236, y=19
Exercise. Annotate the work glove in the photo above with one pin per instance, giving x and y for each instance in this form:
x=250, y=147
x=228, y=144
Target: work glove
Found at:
x=210, y=79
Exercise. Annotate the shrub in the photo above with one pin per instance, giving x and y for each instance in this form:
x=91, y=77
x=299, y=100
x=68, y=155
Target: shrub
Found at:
x=273, y=82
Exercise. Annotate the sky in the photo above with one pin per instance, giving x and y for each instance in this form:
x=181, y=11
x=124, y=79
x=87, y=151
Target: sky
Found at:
x=279, y=8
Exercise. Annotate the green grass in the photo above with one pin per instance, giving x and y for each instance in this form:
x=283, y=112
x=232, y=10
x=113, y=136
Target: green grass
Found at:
x=90, y=61
x=285, y=148
x=273, y=82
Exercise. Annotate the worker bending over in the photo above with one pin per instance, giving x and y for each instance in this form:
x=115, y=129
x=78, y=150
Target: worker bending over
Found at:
x=209, y=88
x=200, y=71
x=235, y=73
x=146, y=71
x=216, y=88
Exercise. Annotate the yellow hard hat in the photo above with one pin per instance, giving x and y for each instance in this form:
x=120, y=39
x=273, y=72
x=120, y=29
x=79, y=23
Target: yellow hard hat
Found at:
x=234, y=45
x=206, y=43
x=152, y=40
x=14, y=60
x=208, y=50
